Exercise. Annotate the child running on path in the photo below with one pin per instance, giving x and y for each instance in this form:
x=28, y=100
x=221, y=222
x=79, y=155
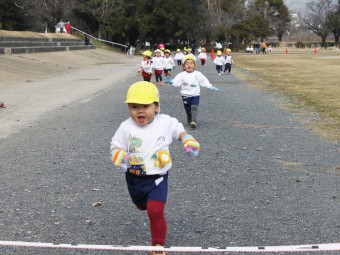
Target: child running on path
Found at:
x=202, y=56
x=146, y=66
x=229, y=61
x=219, y=61
x=190, y=82
x=169, y=64
x=157, y=63
x=179, y=56
x=140, y=147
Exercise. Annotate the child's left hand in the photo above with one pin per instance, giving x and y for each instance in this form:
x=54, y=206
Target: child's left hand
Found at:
x=191, y=145
x=212, y=88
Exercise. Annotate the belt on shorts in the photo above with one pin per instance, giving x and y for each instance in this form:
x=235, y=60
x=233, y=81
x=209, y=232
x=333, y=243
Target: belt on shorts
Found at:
x=138, y=170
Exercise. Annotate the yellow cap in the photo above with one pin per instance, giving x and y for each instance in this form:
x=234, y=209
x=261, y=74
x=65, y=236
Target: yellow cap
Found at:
x=228, y=50
x=189, y=57
x=219, y=53
x=167, y=51
x=147, y=53
x=142, y=92
x=178, y=50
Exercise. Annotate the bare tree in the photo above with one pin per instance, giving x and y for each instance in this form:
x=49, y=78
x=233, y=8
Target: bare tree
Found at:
x=46, y=13
x=334, y=23
x=223, y=14
x=102, y=11
x=316, y=18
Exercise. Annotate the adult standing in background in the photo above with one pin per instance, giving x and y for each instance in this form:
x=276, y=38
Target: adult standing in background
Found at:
x=218, y=45
x=193, y=47
x=264, y=47
x=60, y=28
x=68, y=27
x=257, y=47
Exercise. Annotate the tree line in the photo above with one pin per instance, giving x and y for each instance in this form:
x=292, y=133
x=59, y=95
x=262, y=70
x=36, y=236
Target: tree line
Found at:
x=234, y=22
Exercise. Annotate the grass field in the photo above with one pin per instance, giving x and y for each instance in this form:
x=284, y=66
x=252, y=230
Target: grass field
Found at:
x=311, y=82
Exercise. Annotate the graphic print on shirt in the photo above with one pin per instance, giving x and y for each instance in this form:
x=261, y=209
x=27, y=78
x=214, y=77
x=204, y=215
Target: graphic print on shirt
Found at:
x=162, y=157
x=194, y=84
x=136, y=163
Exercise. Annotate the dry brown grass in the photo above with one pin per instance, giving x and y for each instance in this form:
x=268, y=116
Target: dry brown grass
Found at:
x=5, y=33
x=312, y=81
x=76, y=35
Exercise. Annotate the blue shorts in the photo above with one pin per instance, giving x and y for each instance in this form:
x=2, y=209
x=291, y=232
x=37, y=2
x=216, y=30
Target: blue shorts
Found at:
x=147, y=187
x=189, y=101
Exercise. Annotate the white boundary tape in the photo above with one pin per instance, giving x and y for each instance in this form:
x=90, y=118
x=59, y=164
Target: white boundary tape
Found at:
x=289, y=248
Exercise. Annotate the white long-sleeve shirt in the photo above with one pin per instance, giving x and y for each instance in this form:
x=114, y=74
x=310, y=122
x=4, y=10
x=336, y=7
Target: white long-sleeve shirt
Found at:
x=179, y=56
x=219, y=60
x=190, y=83
x=202, y=55
x=228, y=59
x=157, y=63
x=148, y=146
x=146, y=66
x=168, y=63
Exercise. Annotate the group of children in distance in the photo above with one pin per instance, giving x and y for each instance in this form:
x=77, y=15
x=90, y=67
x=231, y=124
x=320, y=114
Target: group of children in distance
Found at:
x=161, y=62
x=189, y=80
x=226, y=60
x=140, y=146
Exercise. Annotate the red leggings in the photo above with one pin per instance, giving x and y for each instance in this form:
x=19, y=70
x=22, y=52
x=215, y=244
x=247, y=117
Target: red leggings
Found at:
x=155, y=211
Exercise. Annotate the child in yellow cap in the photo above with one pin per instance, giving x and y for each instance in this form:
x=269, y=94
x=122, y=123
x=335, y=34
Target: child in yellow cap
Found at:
x=219, y=61
x=140, y=147
x=190, y=82
x=202, y=56
x=158, y=65
x=179, y=56
x=229, y=61
x=146, y=66
x=168, y=65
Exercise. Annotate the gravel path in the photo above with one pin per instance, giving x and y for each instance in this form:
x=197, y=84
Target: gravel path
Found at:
x=261, y=178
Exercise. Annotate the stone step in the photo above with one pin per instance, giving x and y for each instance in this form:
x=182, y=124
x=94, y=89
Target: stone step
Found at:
x=32, y=39
x=11, y=44
x=20, y=45
x=21, y=50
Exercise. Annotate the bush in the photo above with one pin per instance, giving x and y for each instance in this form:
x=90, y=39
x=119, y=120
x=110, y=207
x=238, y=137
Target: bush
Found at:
x=300, y=45
x=273, y=44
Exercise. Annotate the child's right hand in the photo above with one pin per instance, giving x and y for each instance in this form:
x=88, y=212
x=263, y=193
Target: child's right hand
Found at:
x=139, y=70
x=119, y=158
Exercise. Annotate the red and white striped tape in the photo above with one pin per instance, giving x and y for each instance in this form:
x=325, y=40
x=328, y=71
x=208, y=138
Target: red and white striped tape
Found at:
x=288, y=248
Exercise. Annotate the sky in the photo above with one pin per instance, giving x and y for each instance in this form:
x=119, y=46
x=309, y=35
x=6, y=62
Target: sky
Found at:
x=298, y=4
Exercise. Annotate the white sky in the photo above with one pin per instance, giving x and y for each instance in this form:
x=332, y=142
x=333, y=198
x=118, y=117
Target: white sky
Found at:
x=298, y=4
